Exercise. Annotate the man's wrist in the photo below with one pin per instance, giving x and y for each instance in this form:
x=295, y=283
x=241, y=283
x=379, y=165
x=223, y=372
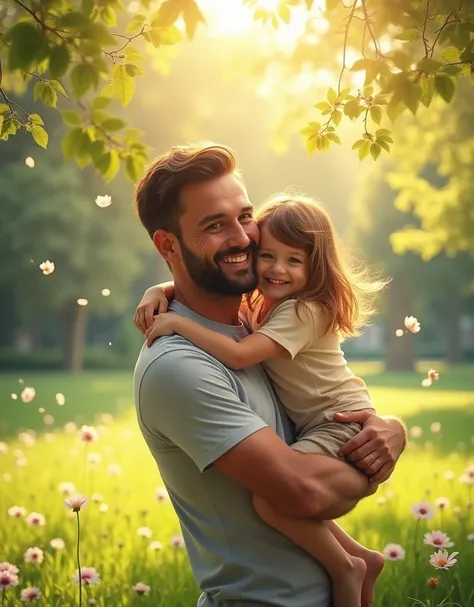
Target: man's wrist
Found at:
x=397, y=421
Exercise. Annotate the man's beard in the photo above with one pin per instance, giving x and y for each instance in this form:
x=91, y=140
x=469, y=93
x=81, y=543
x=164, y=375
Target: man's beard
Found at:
x=213, y=279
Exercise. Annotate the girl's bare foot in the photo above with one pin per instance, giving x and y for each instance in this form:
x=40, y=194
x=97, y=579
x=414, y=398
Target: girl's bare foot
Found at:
x=375, y=563
x=348, y=582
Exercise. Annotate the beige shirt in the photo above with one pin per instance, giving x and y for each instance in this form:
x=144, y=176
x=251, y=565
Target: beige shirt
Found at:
x=314, y=377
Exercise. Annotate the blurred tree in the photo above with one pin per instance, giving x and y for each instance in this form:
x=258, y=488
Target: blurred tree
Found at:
x=48, y=213
x=416, y=284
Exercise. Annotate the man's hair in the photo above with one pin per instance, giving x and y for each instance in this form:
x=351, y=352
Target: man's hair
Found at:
x=157, y=197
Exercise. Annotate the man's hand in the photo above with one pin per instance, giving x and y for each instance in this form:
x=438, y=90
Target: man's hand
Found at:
x=377, y=447
x=164, y=324
x=153, y=299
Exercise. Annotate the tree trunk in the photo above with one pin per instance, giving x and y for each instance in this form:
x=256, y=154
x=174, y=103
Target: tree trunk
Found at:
x=453, y=335
x=400, y=354
x=75, y=331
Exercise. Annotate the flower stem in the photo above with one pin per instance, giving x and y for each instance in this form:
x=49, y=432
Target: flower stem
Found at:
x=3, y=597
x=448, y=589
x=78, y=560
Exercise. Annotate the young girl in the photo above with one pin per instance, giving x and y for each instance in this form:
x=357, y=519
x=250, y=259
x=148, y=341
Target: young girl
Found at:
x=306, y=302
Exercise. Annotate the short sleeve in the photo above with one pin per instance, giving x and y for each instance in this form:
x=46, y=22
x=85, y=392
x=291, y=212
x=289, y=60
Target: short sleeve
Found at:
x=192, y=400
x=295, y=332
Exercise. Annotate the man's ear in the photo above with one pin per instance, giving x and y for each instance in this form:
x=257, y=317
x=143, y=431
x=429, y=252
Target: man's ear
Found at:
x=167, y=246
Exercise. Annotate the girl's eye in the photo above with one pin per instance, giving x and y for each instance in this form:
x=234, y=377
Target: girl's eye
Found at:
x=294, y=260
x=265, y=255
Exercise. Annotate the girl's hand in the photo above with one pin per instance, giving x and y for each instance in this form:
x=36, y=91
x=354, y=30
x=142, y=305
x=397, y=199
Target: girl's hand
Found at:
x=154, y=299
x=164, y=324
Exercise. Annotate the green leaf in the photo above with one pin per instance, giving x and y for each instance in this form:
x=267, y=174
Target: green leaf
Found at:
x=35, y=119
x=336, y=116
x=39, y=135
x=409, y=35
x=72, y=142
x=411, y=94
x=102, y=163
x=323, y=106
x=402, y=60
x=331, y=96
x=357, y=144
x=352, y=109
x=427, y=88
x=192, y=16
x=44, y=91
x=133, y=70
x=75, y=21
x=395, y=109
x=168, y=12
x=133, y=168
x=57, y=86
x=133, y=26
x=375, y=150
x=113, y=167
x=123, y=85
x=450, y=53
x=100, y=102
x=376, y=113
x=83, y=77
x=27, y=46
x=108, y=16
x=360, y=64
x=113, y=124
x=382, y=143
x=71, y=118
x=59, y=59
x=445, y=87
x=284, y=13
x=311, y=144
x=429, y=66
x=333, y=137
x=364, y=149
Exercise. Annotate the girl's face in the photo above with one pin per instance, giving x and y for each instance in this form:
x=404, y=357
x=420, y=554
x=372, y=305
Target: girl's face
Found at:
x=282, y=270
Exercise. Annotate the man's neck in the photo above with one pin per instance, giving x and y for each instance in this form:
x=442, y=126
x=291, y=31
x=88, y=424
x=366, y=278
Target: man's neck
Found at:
x=218, y=308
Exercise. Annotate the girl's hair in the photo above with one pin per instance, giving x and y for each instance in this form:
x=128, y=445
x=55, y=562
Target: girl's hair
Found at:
x=345, y=293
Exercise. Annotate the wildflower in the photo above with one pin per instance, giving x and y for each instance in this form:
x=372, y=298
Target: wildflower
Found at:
x=438, y=539
x=470, y=537
x=29, y=594
x=70, y=428
x=426, y=383
x=449, y=475
x=141, y=589
x=156, y=546
x=88, y=434
x=103, y=508
x=399, y=332
x=161, y=494
x=17, y=511
x=57, y=543
x=394, y=552
x=89, y=576
x=145, y=532
x=47, y=267
x=442, y=503
x=433, y=375
x=28, y=394
x=5, y=566
x=412, y=324
x=114, y=470
x=60, y=399
x=27, y=439
x=103, y=201
x=34, y=519
x=432, y=582
x=96, y=498
x=8, y=580
x=75, y=502
x=177, y=541
x=34, y=555
x=3, y=448
x=441, y=559
x=66, y=488
x=416, y=431
x=423, y=510
x=435, y=427
x=94, y=458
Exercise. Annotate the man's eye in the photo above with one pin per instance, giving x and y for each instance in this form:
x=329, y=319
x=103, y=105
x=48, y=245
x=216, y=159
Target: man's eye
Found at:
x=215, y=226
x=246, y=217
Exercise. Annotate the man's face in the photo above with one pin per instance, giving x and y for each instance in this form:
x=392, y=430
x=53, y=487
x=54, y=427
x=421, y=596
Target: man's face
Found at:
x=219, y=236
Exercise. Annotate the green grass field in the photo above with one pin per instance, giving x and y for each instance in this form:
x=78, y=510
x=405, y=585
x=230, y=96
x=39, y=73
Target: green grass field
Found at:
x=110, y=541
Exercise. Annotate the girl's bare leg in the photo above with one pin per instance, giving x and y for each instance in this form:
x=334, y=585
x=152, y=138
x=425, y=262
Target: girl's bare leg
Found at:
x=374, y=560
x=347, y=572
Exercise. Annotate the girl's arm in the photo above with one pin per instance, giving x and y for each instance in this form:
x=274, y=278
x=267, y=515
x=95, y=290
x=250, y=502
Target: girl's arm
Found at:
x=249, y=351
x=154, y=298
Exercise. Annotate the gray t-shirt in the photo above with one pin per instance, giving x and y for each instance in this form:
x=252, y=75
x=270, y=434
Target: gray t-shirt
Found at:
x=191, y=409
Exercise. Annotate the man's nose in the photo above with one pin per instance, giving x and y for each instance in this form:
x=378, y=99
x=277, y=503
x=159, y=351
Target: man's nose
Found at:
x=238, y=236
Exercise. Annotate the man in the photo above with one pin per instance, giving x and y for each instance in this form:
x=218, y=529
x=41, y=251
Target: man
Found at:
x=218, y=435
